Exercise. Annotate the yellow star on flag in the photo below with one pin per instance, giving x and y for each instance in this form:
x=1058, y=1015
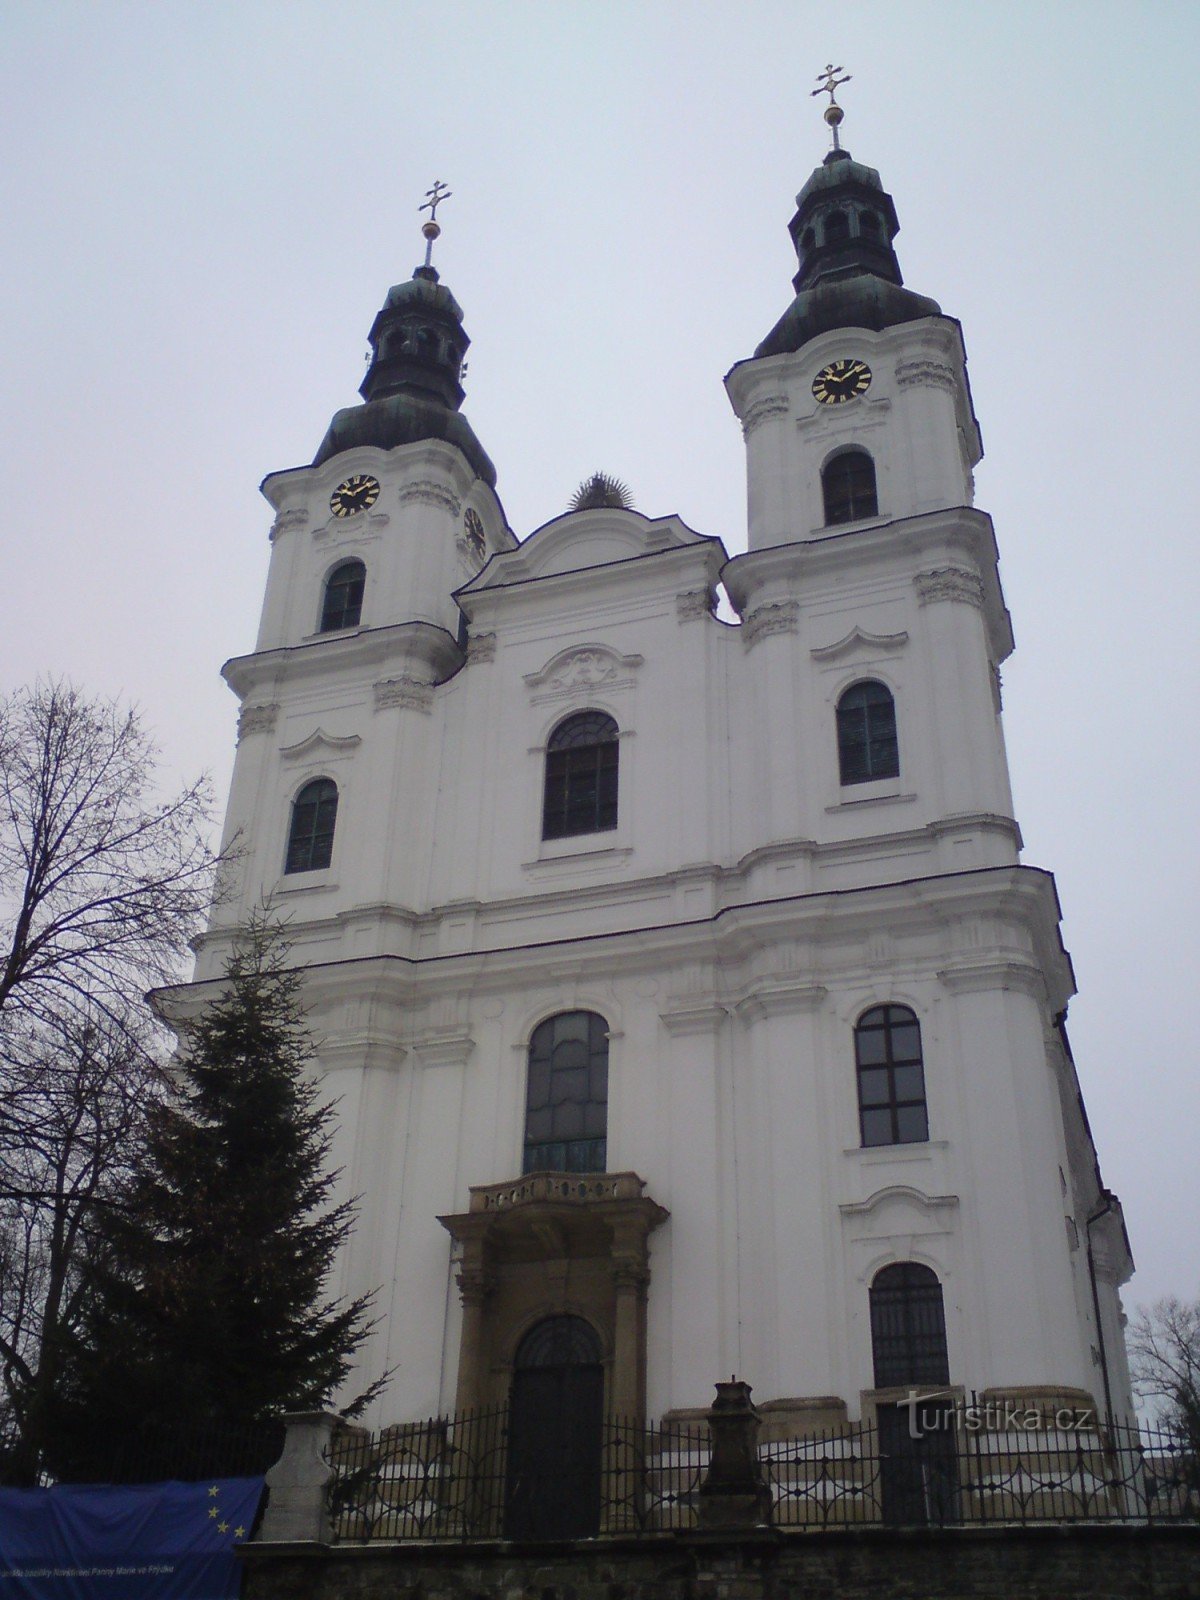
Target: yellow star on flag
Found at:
x=222, y=1527
x=239, y=1533
x=213, y=1491
x=215, y=1511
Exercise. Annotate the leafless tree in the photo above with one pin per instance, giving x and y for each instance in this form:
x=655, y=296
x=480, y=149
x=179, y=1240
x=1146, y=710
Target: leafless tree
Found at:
x=1164, y=1357
x=101, y=885
x=74, y=1096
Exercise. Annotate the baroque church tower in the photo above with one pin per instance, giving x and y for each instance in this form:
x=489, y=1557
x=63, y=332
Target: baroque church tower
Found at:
x=686, y=1004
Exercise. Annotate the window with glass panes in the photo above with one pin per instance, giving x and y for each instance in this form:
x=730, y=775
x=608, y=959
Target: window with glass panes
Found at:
x=908, y=1326
x=848, y=488
x=581, y=777
x=310, y=837
x=891, y=1077
x=866, y=733
x=344, y=597
x=566, y=1099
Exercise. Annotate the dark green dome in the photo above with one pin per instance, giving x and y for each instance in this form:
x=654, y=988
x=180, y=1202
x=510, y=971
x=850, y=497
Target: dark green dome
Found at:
x=848, y=275
x=404, y=419
x=412, y=389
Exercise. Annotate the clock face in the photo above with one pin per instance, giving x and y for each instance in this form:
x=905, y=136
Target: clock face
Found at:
x=841, y=381
x=358, y=493
x=475, y=533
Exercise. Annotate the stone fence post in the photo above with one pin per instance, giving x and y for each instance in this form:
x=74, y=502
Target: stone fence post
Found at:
x=734, y=1493
x=298, y=1507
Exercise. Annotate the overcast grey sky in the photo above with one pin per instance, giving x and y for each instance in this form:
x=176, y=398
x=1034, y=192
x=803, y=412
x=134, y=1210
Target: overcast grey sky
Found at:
x=204, y=205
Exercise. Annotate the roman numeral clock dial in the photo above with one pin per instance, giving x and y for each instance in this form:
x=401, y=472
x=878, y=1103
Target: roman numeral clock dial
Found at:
x=358, y=493
x=841, y=381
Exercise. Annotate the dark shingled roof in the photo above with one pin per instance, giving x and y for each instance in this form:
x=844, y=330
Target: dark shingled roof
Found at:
x=403, y=419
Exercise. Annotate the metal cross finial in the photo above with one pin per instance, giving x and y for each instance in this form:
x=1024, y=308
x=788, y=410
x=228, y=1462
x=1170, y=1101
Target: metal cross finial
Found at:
x=831, y=83
x=827, y=83
x=432, y=228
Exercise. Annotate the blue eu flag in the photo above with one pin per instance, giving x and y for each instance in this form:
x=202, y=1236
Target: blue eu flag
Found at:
x=158, y=1541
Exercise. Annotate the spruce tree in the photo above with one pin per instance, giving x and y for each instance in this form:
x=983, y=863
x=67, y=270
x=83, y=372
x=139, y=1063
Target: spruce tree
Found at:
x=208, y=1304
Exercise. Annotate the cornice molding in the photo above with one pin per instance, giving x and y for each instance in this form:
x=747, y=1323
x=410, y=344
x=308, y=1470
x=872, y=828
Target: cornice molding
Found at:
x=703, y=1017
x=949, y=583
x=403, y=691
x=444, y=1050
x=777, y=997
x=970, y=977
x=320, y=740
x=900, y=1191
x=858, y=639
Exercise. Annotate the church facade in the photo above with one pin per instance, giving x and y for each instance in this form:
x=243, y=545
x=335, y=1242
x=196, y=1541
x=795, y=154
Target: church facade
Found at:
x=686, y=1003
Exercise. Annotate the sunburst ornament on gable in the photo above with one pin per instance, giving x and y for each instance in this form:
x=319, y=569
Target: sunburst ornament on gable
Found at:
x=601, y=490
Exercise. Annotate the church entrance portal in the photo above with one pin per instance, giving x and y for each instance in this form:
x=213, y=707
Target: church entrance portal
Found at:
x=554, y=1433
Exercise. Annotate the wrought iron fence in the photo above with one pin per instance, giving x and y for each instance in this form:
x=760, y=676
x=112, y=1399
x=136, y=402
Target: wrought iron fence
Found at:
x=453, y=1479
x=1046, y=1474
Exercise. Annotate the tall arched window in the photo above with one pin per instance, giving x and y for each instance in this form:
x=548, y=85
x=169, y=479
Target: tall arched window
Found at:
x=848, y=485
x=891, y=1077
x=866, y=733
x=310, y=837
x=581, y=777
x=342, y=606
x=566, y=1101
x=908, y=1327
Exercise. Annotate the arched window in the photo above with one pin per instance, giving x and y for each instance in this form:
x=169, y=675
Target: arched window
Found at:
x=848, y=485
x=908, y=1327
x=837, y=227
x=342, y=607
x=891, y=1077
x=581, y=777
x=866, y=733
x=868, y=223
x=310, y=837
x=566, y=1101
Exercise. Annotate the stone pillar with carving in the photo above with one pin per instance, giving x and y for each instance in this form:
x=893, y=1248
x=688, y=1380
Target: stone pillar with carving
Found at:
x=734, y=1494
x=298, y=1483
x=474, y=1285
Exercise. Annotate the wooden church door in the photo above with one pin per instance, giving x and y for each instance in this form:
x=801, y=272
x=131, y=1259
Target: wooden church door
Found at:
x=554, y=1433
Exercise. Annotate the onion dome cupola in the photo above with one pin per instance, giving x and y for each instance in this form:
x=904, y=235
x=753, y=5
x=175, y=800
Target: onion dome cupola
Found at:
x=413, y=389
x=843, y=229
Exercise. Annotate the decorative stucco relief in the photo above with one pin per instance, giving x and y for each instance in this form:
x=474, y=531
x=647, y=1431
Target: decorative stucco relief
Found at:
x=481, y=647
x=771, y=405
x=949, y=583
x=926, y=373
x=695, y=603
x=432, y=494
x=583, y=667
x=403, y=691
x=777, y=616
x=289, y=520
x=256, y=719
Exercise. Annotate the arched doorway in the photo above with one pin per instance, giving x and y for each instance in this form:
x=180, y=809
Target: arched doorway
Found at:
x=554, y=1432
